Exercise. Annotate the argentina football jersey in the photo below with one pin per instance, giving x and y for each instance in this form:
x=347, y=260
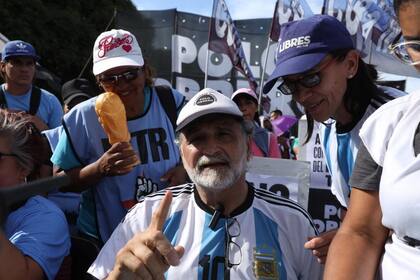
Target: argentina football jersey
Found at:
x=262, y=239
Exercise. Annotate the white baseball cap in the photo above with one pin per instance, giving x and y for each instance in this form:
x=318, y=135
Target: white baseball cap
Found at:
x=205, y=102
x=115, y=48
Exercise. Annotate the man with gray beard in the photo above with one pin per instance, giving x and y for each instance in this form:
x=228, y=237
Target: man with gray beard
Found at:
x=218, y=227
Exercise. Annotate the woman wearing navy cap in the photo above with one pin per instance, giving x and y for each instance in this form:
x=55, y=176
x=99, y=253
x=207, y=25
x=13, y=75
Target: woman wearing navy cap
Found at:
x=318, y=65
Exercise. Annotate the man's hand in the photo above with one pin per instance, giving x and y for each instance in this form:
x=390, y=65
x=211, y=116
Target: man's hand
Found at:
x=175, y=176
x=148, y=254
x=118, y=160
x=320, y=244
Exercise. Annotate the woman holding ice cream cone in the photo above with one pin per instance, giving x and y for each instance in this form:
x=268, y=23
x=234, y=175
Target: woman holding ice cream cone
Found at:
x=120, y=143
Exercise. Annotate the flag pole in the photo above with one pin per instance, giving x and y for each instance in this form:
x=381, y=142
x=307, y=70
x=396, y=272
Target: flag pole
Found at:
x=208, y=47
x=263, y=75
x=270, y=34
x=114, y=15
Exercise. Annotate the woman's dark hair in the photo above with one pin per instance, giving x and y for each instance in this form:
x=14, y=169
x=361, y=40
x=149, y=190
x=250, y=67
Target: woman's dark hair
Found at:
x=278, y=112
x=149, y=73
x=360, y=90
x=399, y=3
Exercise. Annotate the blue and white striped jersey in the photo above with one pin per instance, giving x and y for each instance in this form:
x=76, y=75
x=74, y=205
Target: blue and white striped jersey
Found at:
x=341, y=148
x=270, y=241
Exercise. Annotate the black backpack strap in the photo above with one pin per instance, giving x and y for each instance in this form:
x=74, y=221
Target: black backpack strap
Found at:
x=35, y=100
x=167, y=100
x=3, y=102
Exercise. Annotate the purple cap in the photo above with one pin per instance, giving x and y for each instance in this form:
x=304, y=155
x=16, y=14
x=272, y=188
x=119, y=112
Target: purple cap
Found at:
x=245, y=91
x=18, y=48
x=304, y=43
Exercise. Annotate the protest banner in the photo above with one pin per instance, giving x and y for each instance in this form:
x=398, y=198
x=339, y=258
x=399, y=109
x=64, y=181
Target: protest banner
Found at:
x=224, y=38
x=373, y=27
x=175, y=44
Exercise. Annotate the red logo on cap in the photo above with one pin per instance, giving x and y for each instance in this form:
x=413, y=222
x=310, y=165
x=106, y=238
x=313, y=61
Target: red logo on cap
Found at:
x=109, y=43
x=127, y=48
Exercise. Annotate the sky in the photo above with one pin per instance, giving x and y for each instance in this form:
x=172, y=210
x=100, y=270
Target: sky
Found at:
x=246, y=9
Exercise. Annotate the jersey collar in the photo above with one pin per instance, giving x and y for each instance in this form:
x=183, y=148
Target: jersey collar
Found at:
x=239, y=210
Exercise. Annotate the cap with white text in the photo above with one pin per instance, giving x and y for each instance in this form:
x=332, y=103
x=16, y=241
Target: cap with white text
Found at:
x=205, y=102
x=18, y=48
x=304, y=43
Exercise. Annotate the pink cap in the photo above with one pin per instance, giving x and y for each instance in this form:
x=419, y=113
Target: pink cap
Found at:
x=246, y=91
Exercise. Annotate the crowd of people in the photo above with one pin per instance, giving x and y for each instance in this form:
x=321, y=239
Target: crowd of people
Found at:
x=173, y=202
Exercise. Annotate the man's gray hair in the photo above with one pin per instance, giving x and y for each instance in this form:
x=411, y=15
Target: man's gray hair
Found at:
x=24, y=139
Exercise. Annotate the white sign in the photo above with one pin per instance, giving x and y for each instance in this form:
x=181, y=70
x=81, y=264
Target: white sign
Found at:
x=313, y=152
x=287, y=178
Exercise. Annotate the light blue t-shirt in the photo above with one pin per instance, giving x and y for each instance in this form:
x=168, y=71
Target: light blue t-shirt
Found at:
x=39, y=230
x=152, y=137
x=49, y=111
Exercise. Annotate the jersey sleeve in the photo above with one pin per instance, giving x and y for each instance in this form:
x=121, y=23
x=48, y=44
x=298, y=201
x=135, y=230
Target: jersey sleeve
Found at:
x=307, y=264
x=125, y=231
x=44, y=237
x=52, y=136
x=366, y=172
x=63, y=155
x=77, y=124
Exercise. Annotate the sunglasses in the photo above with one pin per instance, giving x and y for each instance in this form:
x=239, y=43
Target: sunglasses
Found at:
x=7, y=155
x=407, y=52
x=113, y=80
x=233, y=230
x=311, y=80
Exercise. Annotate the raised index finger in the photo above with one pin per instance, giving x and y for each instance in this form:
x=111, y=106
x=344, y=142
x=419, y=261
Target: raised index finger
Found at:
x=160, y=214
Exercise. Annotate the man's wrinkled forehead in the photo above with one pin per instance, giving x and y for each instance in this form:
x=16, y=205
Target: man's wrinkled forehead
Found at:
x=219, y=120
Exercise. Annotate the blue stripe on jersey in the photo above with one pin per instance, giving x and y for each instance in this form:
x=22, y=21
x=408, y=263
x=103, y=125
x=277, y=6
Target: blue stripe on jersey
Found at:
x=326, y=145
x=212, y=251
x=171, y=227
x=345, y=156
x=267, y=240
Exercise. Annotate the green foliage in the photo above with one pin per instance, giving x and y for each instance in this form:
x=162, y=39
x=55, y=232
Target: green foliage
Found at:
x=63, y=32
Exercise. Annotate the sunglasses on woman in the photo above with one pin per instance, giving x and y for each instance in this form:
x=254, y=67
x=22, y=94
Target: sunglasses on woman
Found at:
x=407, y=52
x=311, y=80
x=112, y=80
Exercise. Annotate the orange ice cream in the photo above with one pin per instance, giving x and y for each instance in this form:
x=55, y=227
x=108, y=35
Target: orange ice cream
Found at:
x=111, y=115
